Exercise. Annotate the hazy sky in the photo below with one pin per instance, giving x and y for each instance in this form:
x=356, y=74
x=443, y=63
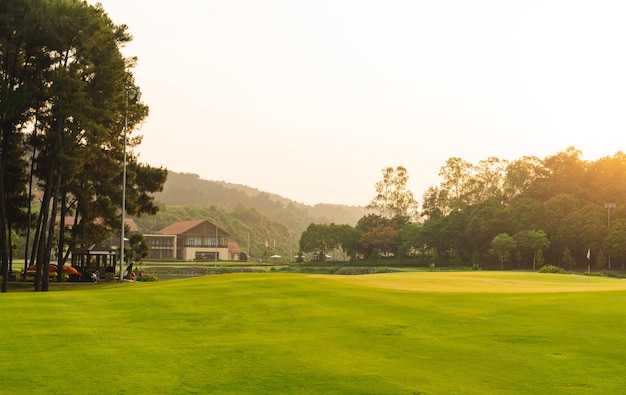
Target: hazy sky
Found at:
x=312, y=99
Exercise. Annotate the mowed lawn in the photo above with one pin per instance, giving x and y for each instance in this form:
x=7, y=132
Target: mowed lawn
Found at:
x=399, y=333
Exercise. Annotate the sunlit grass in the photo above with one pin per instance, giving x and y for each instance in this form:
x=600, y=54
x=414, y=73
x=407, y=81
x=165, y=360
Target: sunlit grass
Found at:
x=476, y=281
x=295, y=333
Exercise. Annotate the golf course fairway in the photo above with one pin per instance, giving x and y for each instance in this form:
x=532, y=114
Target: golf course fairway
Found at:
x=278, y=333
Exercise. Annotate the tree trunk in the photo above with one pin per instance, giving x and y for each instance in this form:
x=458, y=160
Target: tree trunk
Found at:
x=4, y=266
x=42, y=230
x=60, y=255
x=30, y=194
x=51, y=225
x=10, y=245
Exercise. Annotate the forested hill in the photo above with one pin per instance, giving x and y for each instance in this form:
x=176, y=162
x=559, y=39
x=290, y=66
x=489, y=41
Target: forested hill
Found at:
x=186, y=189
x=246, y=212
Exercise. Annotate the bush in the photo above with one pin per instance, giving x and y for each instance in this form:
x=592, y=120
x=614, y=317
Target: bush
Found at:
x=362, y=270
x=356, y=270
x=149, y=277
x=146, y=276
x=552, y=269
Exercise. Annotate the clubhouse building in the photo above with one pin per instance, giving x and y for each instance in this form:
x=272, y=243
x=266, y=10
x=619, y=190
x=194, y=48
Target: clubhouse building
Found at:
x=197, y=240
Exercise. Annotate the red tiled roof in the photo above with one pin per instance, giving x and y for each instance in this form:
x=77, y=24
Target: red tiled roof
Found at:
x=178, y=228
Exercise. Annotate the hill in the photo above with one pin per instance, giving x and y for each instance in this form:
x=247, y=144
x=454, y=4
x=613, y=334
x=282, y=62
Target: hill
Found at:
x=251, y=215
x=187, y=189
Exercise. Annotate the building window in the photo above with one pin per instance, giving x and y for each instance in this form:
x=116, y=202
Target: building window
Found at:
x=194, y=241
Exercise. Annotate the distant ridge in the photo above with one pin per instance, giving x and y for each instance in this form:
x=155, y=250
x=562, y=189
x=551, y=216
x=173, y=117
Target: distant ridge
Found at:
x=188, y=189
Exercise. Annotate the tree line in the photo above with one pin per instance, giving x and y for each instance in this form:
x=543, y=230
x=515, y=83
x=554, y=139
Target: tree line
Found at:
x=560, y=210
x=68, y=108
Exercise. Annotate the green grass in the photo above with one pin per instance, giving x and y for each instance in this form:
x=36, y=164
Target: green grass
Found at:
x=267, y=333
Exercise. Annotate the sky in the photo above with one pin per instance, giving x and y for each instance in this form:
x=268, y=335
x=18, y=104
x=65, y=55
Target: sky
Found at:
x=312, y=99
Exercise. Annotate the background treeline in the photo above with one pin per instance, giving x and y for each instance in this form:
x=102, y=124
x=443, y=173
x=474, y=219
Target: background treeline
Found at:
x=513, y=214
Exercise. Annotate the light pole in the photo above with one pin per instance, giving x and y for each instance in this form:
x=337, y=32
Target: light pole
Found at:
x=123, y=188
x=123, y=230
x=216, y=242
x=608, y=207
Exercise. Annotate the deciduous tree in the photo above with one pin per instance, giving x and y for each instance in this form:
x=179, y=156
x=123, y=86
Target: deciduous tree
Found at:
x=316, y=238
x=520, y=175
x=456, y=185
x=392, y=196
x=532, y=243
x=380, y=241
x=503, y=245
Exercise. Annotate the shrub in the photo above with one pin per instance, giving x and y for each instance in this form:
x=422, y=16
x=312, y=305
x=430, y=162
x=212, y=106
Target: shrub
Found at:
x=149, y=277
x=551, y=269
x=355, y=270
x=362, y=270
x=145, y=276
